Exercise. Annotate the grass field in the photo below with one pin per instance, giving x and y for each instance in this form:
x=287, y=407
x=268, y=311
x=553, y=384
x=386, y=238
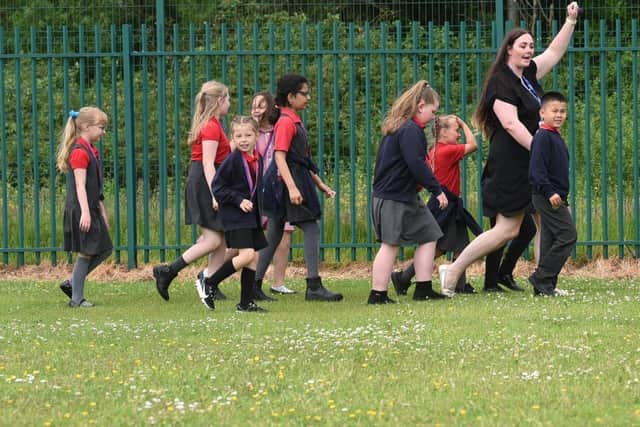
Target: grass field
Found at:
x=480, y=360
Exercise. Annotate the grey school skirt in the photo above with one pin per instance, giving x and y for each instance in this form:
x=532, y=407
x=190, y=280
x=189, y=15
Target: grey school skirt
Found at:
x=400, y=223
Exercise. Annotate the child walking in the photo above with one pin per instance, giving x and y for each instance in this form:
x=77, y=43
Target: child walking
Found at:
x=236, y=188
x=444, y=159
x=264, y=111
x=549, y=178
x=209, y=148
x=86, y=227
x=300, y=177
x=399, y=215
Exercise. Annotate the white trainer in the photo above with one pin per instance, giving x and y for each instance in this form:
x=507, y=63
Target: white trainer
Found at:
x=282, y=290
x=200, y=284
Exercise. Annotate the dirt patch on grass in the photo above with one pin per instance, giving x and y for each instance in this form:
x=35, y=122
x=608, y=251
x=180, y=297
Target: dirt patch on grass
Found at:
x=612, y=268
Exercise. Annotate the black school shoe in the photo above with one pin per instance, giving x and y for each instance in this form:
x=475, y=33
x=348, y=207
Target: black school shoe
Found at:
x=317, y=292
x=542, y=289
x=251, y=307
x=508, y=281
x=426, y=292
x=466, y=289
x=492, y=288
x=66, y=288
x=163, y=275
x=258, y=294
x=400, y=286
x=376, y=298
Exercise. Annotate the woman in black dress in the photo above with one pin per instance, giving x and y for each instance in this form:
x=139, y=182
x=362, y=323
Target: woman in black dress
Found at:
x=507, y=114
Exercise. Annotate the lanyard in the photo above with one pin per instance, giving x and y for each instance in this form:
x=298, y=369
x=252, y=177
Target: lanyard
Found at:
x=529, y=87
x=252, y=184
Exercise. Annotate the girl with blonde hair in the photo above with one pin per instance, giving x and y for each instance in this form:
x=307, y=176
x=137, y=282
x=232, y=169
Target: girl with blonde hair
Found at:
x=209, y=147
x=86, y=227
x=399, y=215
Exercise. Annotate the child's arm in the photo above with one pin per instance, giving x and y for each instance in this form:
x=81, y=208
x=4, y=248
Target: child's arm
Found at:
x=471, y=144
x=209, y=151
x=103, y=212
x=322, y=186
x=281, y=162
x=81, y=191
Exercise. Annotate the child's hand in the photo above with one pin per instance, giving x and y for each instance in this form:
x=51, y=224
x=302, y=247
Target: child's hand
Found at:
x=294, y=196
x=246, y=205
x=85, y=221
x=556, y=201
x=215, y=203
x=443, y=201
x=328, y=191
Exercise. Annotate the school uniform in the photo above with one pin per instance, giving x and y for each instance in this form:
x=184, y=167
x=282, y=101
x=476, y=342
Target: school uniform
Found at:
x=198, y=202
x=96, y=241
x=291, y=137
x=239, y=177
x=399, y=215
x=455, y=219
x=549, y=175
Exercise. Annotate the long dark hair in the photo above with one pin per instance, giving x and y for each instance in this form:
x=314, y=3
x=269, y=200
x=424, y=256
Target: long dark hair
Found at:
x=484, y=111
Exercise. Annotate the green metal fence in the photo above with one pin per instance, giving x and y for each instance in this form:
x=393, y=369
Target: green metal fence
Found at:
x=356, y=71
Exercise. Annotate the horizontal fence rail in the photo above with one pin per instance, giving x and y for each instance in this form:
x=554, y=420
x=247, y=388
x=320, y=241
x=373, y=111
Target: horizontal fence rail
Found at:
x=355, y=70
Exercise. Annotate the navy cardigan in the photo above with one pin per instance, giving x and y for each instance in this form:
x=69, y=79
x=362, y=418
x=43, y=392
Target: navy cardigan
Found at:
x=230, y=186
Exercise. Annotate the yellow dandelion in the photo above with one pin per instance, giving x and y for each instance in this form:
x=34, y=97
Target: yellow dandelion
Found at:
x=67, y=415
x=275, y=414
x=170, y=409
x=85, y=413
x=78, y=375
x=599, y=420
x=364, y=365
x=47, y=424
x=638, y=412
x=317, y=417
x=352, y=415
x=371, y=413
x=292, y=410
x=463, y=412
x=535, y=407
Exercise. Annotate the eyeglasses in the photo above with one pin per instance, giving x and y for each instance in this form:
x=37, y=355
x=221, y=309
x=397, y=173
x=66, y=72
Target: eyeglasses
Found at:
x=304, y=93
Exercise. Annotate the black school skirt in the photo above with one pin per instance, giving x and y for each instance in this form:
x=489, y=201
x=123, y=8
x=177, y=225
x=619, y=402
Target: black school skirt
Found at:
x=198, y=204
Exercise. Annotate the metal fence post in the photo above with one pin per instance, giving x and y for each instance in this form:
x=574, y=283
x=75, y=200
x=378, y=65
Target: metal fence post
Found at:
x=130, y=173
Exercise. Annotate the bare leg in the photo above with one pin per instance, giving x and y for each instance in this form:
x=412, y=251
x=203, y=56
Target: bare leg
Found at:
x=423, y=261
x=281, y=258
x=383, y=266
x=208, y=242
x=506, y=228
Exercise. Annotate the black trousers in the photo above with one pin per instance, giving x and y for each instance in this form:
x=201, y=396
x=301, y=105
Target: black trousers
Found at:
x=558, y=238
x=495, y=265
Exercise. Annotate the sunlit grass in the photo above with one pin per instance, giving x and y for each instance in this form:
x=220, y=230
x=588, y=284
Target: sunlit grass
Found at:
x=487, y=360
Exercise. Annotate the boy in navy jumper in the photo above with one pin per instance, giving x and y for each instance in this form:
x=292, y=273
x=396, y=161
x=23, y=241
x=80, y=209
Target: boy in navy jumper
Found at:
x=549, y=178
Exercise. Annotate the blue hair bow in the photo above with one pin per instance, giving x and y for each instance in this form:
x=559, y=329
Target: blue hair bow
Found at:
x=74, y=114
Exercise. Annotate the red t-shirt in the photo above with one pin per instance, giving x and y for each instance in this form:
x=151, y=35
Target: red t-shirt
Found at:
x=79, y=158
x=445, y=165
x=285, y=129
x=211, y=131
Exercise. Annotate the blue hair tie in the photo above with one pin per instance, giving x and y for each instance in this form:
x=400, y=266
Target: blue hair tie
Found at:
x=74, y=114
